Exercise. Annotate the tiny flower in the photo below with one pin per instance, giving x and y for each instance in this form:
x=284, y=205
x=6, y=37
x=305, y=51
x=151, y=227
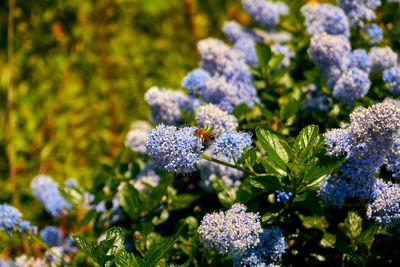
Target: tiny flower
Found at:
x=147, y=177
x=282, y=196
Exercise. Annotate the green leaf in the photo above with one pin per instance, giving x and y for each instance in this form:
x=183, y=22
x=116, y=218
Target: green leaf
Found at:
x=306, y=138
x=271, y=143
x=226, y=196
x=263, y=53
x=268, y=183
x=117, y=159
x=88, y=248
x=183, y=201
x=71, y=195
x=275, y=60
x=154, y=255
x=125, y=259
x=90, y=215
x=325, y=166
x=240, y=110
x=353, y=225
x=116, y=234
x=268, y=115
x=271, y=168
x=129, y=201
x=289, y=110
x=367, y=237
x=101, y=253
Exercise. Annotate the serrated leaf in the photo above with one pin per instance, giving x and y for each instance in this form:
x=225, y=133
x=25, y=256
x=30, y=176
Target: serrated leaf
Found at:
x=116, y=234
x=129, y=201
x=71, y=195
x=353, y=225
x=154, y=255
x=125, y=259
x=268, y=183
x=88, y=248
x=263, y=53
x=246, y=154
x=271, y=143
x=306, y=138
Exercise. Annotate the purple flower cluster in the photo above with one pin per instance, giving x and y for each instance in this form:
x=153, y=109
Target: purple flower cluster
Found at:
x=265, y=13
x=392, y=76
x=282, y=196
x=232, y=144
x=374, y=33
x=220, y=121
x=10, y=220
x=382, y=58
x=137, y=136
x=359, y=11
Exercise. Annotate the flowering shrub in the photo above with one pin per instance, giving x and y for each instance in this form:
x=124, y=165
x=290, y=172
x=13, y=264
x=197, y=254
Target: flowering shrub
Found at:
x=281, y=149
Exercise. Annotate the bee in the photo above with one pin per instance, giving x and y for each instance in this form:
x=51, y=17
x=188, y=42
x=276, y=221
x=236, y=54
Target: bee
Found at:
x=204, y=135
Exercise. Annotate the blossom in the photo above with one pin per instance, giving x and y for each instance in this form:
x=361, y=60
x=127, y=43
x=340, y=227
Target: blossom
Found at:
x=173, y=149
x=166, y=105
x=351, y=86
x=265, y=13
x=334, y=189
x=148, y=176
x=51, y=236
x=220, y=121
x=392, y=76
x=195, y=81
x=232, y=232
x=234, y=31
x=282, y=196
x=137, y=136
x=232, y=144
x=359, y=10
x=374, y=33
x=325, y=18
x=382, y=58
x=315, y=99
x=245, y=46
x=359, y=59
x=285, y=50
x=46, y=191
x=10, y=220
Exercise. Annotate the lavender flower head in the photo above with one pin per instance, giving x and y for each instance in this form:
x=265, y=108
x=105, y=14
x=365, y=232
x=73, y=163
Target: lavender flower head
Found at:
x=359, y=11
x=385, y=207
x=232, y=144
x=374, y=33
x=211, y=116
x=137, y=136
x=328, y=51
x=173, y=149
x=216, y=56
x=334, y=189
x=51, y=236
x=285, y=50
x=382, y=58
x=232, y=232
x=359, y=59
x=265, y=13
x=325, y=18
x=165, y=105
x=282, y=196
x=393, y=158
x=234, y=31
x=148, y=176
x=245, y=46
x=392, y=76
x=10, y=220
x=46, y=191
x=351, y=86
x=195, y=82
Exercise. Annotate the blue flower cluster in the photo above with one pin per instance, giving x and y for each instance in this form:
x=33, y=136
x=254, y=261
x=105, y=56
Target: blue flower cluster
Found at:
x=265, y=13
x=211, y=116
x=325, y=18
x=285, y=50
x=10, y=220
x=147, y=177
x=282, y=196
x=232, y=144
x=359, y=11
x=232, y=232
x=173, y=149
x=351, y=85
x=234, y=31
x=165, y=105
x=46, y=191
x=368, y=141
x=315, y=99
x=374, y=33
x=245, y=46
x=51, y=236
x=382, y=58
x=392, y=76
x=137, y=136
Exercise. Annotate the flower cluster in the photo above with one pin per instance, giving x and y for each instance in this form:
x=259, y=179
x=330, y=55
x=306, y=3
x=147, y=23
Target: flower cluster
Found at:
x=315, y=99
x=46, y=191
x=232, y=232
x=10, y=220
x=137, y=136
x=382, y=58
x=392, y=76
x=51, y=236
x=232, y=144
x=220, y=121
x=173, y=149
x=282, y=196
x=265, y=13
x=359, y=11
x=374, y=33
x=147, y=177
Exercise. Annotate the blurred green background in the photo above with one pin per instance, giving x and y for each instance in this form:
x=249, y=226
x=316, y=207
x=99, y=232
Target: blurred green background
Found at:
x=79, y=70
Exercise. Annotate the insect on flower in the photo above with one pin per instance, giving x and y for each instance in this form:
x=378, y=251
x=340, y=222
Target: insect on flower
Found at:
x=204, y=135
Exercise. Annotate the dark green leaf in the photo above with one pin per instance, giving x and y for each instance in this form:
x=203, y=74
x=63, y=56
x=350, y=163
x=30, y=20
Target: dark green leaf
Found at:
x=125, y=259
x=154, y=255
x=306, y=137
x=263, y=53
x=116, y=234
x=183, y=201
x=129, y=201
x=271, y=143
x=102, y=253
x=88, y=248
x=325, y=166
x=240, y=110
x=268, y=183
x=268, y=115
x=117, y=159
x=271, y=168
x=289, y=110
x=275, y=60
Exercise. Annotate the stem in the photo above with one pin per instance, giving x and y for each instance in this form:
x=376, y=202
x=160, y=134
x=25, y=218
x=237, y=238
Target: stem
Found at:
x=40, y=241
x=228, y=164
